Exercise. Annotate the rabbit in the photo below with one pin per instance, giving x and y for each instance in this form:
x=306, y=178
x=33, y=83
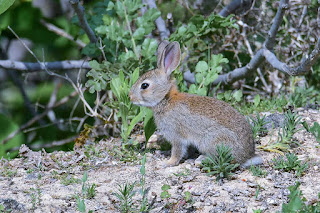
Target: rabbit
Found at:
x=191, y=120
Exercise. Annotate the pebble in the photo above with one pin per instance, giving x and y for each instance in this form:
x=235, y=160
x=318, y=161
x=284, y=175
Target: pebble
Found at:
x=272, y=201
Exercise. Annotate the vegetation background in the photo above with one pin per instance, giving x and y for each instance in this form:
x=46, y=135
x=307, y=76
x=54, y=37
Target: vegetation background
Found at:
x=67, y=66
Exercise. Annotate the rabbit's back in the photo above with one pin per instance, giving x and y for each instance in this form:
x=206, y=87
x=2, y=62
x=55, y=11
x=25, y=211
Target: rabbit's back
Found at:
x=204, y=122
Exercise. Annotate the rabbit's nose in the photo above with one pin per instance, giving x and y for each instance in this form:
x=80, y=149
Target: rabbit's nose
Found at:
x=130, y=95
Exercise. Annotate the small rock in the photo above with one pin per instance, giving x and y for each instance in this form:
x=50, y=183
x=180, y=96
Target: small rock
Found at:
x=197, y=204
x=252, y=185
x=196, y=193
x=153, y=142
x=272, y=201
x=199, y=160
x=12, y=205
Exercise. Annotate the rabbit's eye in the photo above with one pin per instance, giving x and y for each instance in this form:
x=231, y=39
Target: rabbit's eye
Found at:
x=144, y=86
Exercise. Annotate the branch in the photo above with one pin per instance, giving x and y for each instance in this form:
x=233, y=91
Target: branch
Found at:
x=32, y=67
x=266, y=53
x=160, y=23
x=62, y=33
x=48, y=145
x=242, y=72
x=305, y=65
x=233, y=6
x=54, y=143
x=39, y=116
x=269, y=43
x=82, y=20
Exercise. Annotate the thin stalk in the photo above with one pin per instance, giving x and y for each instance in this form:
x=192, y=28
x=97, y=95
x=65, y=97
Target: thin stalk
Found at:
x=130, y=31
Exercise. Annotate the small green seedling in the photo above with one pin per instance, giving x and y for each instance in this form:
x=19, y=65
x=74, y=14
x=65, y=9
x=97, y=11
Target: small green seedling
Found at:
x=291, y=163
x=220, y=164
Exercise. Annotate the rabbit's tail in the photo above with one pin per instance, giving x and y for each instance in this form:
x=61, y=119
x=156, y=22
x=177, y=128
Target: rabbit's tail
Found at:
x=255, y=160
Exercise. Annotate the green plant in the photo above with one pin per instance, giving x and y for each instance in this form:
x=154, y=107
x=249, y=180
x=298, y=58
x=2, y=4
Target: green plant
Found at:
x=297, y=203
x=257, y=210
x=291, y=163
x=143, y=191
x=186, y=172
x=257, y=125
x=124, y=45
x=165, y=194
x=206, y=73
x=220, y=164
x=202, y=34
x=80, y=204
x=35, y=196
x=188, y=196
x=125, y=194
x=66, y=179
x=125, y=154
x=230, y=97
x=120, y=86
x=257, y=192
x=299, y=96
x=7, y=172
x=315, y=129
x=285, y=134
x=87, y=191
x=257, y=171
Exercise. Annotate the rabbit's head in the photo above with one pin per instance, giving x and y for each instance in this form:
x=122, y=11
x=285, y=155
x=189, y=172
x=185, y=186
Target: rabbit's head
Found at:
x=153, y=86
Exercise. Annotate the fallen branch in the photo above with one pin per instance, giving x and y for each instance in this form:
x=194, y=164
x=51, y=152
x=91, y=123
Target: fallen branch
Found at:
x=33, y=67
x=82, y=20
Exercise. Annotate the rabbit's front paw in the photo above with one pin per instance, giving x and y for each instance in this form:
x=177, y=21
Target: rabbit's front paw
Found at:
x=172, y=162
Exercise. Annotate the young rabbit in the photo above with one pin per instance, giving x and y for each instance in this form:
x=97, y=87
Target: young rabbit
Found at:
x=186, y=119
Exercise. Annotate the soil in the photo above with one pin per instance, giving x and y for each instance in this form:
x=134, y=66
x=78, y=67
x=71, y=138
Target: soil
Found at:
x=49, y=182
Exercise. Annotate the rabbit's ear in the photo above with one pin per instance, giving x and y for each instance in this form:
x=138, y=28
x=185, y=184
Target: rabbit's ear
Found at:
x=170, y=58
x=161, y=47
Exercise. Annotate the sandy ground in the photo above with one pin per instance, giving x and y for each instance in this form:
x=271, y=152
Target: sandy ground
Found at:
x=48, y=182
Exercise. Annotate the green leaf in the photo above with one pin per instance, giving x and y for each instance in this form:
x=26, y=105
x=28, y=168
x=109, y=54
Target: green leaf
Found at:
x=165, y=187
x=193, y=89
x=134, y=76
x=135, y=120
x=238, y=95
x=80, y=204
x=143, y=167
x=315, y=130
x=94, y=65
x=110, y=5
x=85, y=177
x=256, y=100
x=187, y=196
x=5, y=4
x=165, y=194
x=149, y=125
x=201, y=66
x=149, y=47
x=139, y=34
x=202, y=91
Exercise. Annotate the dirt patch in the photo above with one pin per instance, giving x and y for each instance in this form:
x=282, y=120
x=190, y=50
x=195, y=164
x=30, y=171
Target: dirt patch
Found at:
x=48, y=182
